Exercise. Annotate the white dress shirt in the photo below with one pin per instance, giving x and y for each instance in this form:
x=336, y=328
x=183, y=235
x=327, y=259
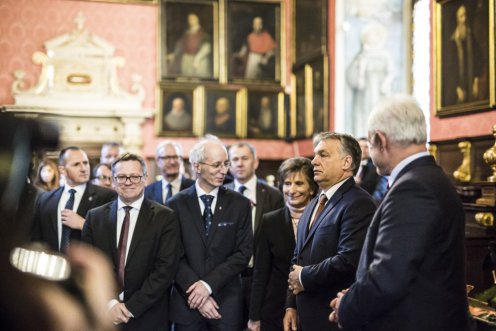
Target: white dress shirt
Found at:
x=400, y=166
x=176, y=187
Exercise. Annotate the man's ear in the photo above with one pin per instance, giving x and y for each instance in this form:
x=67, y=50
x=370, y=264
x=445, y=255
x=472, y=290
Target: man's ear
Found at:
x=380, y=140
x=348, y=161
x=196, y=167
x=256, y=164
x=62, y=170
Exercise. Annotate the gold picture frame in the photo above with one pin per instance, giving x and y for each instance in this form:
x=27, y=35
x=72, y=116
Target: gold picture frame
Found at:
x=189, y=40
x=223, y=110
x=178, y=113
x=266, y=114
x=464, y=63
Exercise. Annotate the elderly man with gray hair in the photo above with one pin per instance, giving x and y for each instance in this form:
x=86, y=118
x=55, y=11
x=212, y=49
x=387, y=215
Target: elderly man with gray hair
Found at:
x=169, y=162
x=411, y=274
x=217, y=238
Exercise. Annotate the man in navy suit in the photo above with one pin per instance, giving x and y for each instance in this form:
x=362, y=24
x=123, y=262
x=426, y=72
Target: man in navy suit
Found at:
x=330, y=234
x=169, y=161
x=59, y=215
x=142, y=240
x=411, y=274
x=217, y=239
x=264, y=198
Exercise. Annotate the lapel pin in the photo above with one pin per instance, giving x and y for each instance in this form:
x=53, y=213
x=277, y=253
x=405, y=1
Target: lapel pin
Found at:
x=90, y=198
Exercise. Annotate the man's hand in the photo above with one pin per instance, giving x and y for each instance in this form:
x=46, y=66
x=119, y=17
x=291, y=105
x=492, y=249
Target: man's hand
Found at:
x=210, y=309
x=289, y=320
x=119, y=313
x=294, y=280
x=198, y=295
x=334, y=316
x=72, y=219
x=253, y=325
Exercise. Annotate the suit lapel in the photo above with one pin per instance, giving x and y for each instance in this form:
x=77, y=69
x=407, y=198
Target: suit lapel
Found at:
x=158, y=192
x=304, y=221
x=288, y=226
x=86, y=199
x=220, y=206
x=112, y=219
x=196, y=215
x=144, y=216
x=53, y=206
x=261, y=193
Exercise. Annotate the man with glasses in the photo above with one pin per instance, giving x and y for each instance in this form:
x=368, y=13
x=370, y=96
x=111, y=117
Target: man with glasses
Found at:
x=142, y=240
x=102, y=175
x=217, y=239
x=59, y=215
x=169, y=162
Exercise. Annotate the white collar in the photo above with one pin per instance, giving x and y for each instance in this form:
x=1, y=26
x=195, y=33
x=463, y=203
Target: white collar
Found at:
x=200, y=191
x=400, y=166
x=136, y=204
x=79, y=189
x=251, y=184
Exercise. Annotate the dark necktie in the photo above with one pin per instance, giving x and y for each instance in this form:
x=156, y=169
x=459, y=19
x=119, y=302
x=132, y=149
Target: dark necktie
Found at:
x=169, y=192
x=66, y=231
x=242, y=189
x=123, y=245
x=207, y=213
x=322, y=202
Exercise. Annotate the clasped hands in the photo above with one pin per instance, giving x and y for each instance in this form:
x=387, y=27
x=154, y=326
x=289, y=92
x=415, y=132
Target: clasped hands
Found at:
x=334, y=316
x=200, y=298
x=294, y=284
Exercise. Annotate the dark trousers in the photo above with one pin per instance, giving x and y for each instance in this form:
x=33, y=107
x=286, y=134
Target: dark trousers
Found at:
x=207, y=325
x=246, y=280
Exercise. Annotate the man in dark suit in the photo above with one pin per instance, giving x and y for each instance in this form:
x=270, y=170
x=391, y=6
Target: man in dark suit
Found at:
x=217, y=246
x=367, y=176
x=169, y=161
x=59, y=215
x=411, y=274
x=142, y=240
x=330, y=234
x=264, y=198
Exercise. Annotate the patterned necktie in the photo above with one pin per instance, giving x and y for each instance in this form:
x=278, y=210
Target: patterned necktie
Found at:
x=242, y=189
x=123, y=246
x=66, y=231
x=169, y=192
x=322, y=202
x=207, y=213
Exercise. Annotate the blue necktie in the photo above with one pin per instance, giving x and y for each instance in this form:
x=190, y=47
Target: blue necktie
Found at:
x=207, y=213
x=242, y=189
x=169, y=192
x=66, y=231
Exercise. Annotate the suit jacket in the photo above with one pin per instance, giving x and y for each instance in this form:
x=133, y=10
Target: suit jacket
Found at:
x=329, y=252
x=217, y=259
x=45, y=219
x=268, y=199
x=411, y=274
x=151, y=262
x=370, y=177
x=154, y=190
x=274, y=247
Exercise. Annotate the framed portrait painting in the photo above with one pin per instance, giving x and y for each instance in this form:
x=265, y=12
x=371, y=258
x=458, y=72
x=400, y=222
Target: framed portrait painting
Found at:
x=319, y=80
x=189, y=39
x=224, y=111
x=301, y=102
x=464, y=53
x=177, y=113
x=254, y=41
x=265, y=113
x=310, y=29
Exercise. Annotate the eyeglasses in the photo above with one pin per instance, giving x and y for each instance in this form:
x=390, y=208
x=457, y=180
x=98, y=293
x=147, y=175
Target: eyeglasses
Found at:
x=168, y=157
x=218, y=165
x=103, y=177
x=121, y=179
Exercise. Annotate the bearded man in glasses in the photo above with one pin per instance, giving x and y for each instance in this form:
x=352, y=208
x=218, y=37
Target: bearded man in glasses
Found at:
x=217, y=238
x=141, y=238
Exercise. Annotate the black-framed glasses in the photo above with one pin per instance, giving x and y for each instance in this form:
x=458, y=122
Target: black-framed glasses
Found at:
x=168, y=158
x=121, y=179
x=218, y=165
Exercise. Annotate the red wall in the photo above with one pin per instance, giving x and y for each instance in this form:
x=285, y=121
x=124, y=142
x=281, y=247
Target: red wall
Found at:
x=133, y=29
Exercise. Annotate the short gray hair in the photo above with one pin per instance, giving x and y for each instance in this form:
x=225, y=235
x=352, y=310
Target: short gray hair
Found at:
x=197, y=153
x=242, y=144
x=175, y=145
x=400, y=118
x=349, y=146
